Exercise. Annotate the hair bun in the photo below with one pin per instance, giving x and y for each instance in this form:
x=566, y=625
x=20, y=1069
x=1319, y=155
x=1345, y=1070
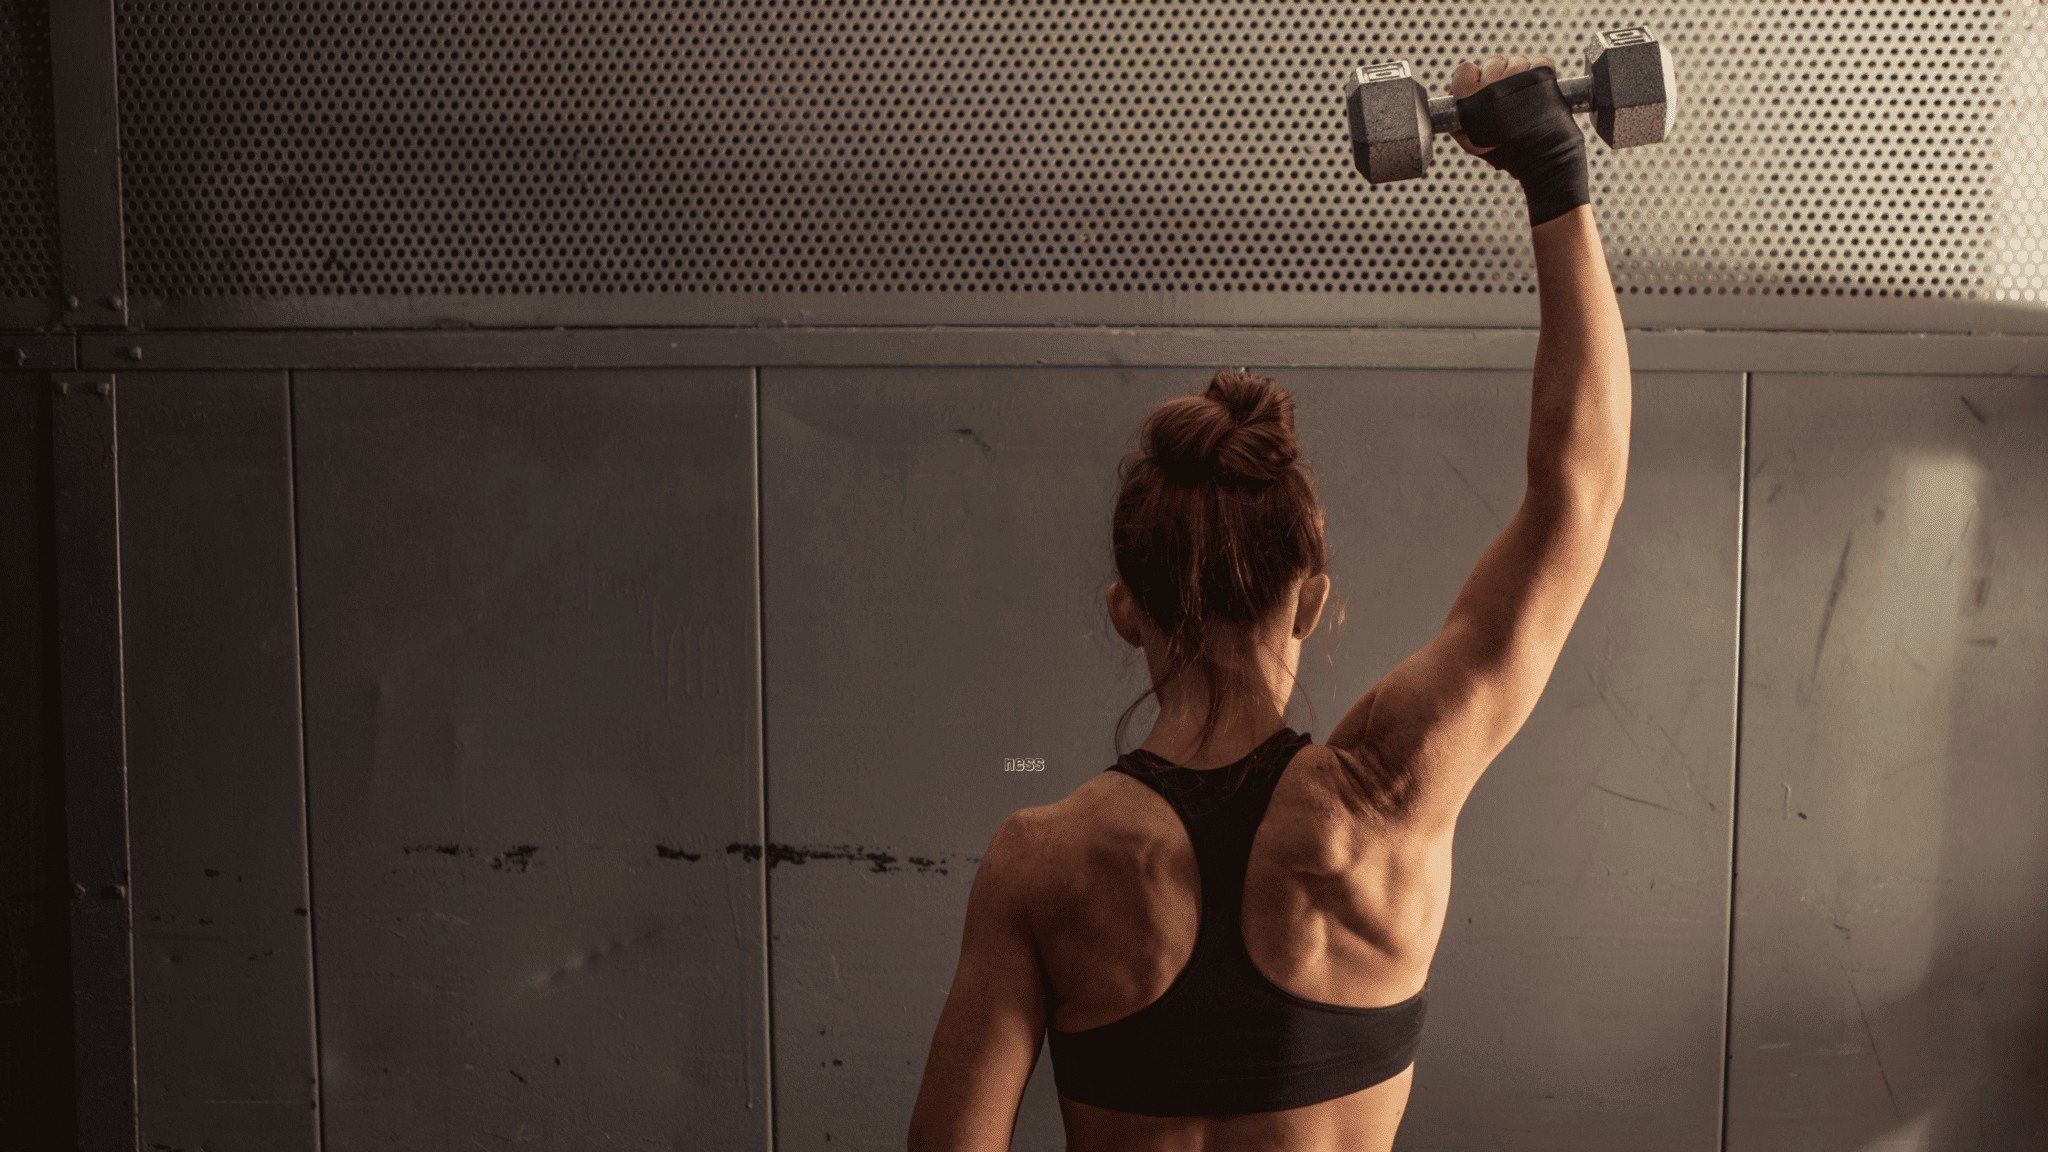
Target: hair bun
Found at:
x=1239, y=432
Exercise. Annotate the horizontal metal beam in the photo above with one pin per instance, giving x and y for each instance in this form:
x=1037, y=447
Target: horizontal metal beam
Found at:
x=1705, y=309
x=37, y=352
x=1944, y=353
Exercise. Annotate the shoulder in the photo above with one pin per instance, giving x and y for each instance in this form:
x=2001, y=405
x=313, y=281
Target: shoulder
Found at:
x=1043, y=832
x=1105, y=805
x=1020, y=849
x=1020, y=834
x=1056, y=851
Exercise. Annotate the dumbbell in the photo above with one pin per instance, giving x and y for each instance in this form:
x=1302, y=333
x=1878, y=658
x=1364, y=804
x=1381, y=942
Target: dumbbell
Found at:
x=1627, y=87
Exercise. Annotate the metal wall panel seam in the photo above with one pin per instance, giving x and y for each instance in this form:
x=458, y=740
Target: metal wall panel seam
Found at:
x=1735, y=749
x=1652, y=349
x=38, y=352
x=761, y=722
x=305, y=786
x=85, y=440
x=1154, y=309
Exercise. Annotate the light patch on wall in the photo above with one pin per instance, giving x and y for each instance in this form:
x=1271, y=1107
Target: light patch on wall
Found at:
x=1912, y=568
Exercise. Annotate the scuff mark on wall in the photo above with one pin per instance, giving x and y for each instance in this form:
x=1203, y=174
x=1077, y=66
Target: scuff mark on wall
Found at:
x=517, y=858
x=609, y=950
x=971, y=434
x=878, y=859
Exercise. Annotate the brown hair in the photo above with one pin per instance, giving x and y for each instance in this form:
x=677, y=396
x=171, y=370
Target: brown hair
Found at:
x=1216, y=520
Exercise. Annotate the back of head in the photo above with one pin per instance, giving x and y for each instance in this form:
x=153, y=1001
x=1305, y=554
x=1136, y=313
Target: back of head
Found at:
x=1216, y=521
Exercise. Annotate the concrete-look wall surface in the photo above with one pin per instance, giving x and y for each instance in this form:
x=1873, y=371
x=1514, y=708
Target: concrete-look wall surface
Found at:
x=936, y=547
x=532, y=721
x=1891, y=942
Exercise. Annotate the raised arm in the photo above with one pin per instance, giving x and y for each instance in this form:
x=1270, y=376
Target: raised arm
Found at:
x=1419, y=739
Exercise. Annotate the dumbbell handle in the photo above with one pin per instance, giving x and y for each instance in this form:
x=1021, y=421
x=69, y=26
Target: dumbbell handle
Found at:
x=1443, y=110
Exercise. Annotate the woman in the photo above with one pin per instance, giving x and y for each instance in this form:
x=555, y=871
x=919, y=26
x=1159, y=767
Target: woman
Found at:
x=1227, y=937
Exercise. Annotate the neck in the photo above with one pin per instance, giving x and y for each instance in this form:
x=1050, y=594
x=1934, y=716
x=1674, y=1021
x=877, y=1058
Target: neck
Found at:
x=1174, y=734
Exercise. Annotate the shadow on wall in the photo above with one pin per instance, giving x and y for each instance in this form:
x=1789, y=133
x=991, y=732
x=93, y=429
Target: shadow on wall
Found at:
x=36, y=1093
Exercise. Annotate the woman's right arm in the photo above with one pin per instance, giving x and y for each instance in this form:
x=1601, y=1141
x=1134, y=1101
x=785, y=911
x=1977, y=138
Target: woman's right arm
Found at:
x=1421, y=737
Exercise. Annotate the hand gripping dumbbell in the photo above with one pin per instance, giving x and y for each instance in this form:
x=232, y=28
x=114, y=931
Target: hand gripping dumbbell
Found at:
x=1394, y=124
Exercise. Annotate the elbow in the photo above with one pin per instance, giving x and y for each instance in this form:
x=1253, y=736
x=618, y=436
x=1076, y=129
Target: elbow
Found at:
x=1586, y=499
x=1603, y=501
x=1607, y=497
x=1588, y=479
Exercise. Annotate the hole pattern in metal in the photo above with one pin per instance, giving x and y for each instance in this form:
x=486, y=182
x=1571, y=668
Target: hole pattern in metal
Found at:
x=28, y=183
x=1892, y=148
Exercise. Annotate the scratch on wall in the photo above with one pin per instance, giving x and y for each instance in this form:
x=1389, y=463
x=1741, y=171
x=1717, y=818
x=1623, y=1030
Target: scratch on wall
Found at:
x=1470, y=487
x=1635, y=799
x=1827, y=615
x=1871, y=1037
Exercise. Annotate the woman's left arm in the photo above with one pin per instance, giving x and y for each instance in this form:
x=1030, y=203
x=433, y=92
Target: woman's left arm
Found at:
x=990, y=1030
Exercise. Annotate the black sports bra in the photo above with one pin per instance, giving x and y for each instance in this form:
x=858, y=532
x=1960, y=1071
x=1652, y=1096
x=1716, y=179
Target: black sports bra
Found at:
x=1223, y=1039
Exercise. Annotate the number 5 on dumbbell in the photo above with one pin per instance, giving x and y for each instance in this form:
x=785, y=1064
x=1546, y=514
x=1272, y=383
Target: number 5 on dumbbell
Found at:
x=1627, y=87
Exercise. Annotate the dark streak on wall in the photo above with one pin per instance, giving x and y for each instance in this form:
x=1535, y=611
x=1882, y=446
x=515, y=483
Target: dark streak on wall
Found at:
x=35, y=973
x=879, y=859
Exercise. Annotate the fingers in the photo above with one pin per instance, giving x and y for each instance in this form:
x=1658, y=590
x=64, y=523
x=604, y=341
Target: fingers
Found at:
x=1465, y=79
x=1470, y=77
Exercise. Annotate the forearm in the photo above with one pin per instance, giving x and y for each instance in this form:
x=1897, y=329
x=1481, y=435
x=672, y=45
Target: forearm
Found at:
x=1579, y=410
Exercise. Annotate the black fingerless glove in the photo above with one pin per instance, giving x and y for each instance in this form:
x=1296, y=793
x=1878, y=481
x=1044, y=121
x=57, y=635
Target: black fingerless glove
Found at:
x=1524, y=119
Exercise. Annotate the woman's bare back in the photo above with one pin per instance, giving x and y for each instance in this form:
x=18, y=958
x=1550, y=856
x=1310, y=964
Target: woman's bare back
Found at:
x=1334, y=910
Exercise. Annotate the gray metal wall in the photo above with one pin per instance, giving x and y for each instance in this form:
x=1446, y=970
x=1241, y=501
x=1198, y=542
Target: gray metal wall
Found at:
x=576, y=734
x=1580, y=988
x=532, y=737
x=1891, y=945
x=463, y=665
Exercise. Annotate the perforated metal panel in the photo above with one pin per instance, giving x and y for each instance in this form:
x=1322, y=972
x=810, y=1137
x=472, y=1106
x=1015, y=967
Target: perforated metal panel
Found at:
x=383, y=148
x=28, y=188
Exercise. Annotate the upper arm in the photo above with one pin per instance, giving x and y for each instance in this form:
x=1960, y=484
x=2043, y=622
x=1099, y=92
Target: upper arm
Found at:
x=993, y=1023
x=1423, y=735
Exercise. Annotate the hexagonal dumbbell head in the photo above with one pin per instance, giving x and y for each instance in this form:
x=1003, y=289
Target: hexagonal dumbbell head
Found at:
x=1633, y=89
x=1391, y=137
